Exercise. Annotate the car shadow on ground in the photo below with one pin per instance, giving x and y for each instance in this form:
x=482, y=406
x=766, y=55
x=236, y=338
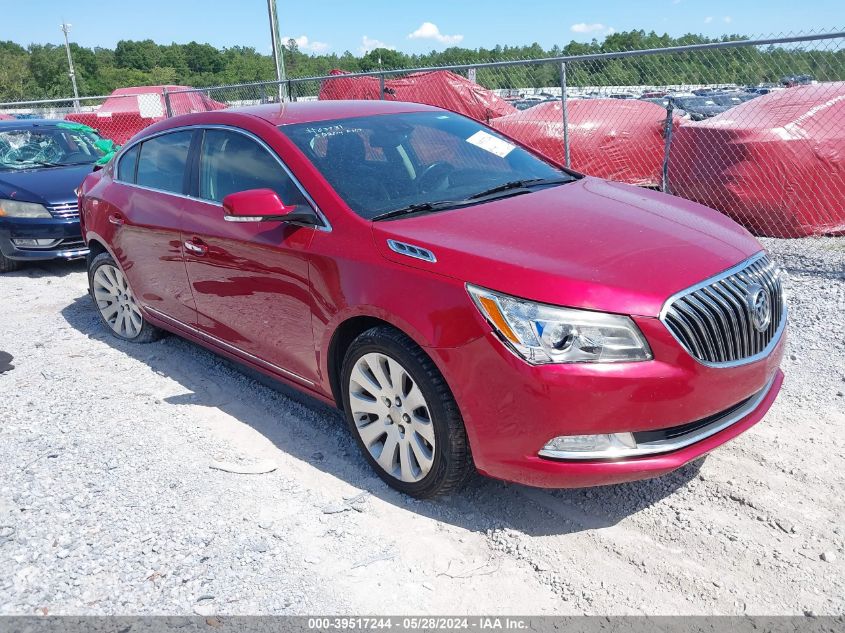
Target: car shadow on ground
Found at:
x=49, y=268
x=299, y=425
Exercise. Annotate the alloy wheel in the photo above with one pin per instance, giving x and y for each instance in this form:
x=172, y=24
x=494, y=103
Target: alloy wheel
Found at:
x=115, y=301
x=392, y=417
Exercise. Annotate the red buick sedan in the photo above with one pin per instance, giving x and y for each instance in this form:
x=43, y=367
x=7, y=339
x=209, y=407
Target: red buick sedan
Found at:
x=466, y=303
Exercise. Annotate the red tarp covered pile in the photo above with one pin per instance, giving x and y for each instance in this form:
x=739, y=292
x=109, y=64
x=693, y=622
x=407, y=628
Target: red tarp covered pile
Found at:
x=129, y=110
x=617, y=139
x=438, y=88
x=776, y=164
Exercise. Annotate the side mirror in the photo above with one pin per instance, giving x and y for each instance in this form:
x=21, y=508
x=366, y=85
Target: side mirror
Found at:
x=263, y=205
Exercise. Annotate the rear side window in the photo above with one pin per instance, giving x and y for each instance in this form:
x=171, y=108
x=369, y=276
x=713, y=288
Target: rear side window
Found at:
x=231, y=162
x=162, y=160
x=127, y=164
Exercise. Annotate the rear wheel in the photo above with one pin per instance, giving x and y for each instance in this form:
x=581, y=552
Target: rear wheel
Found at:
x=115, y=302
x=8, y=265
x=403, y=415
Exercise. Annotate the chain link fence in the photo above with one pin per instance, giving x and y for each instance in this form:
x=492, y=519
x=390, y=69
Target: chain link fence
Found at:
x=751, y=128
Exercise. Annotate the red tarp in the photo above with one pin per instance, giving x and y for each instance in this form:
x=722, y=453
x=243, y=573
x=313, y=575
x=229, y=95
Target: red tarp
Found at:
x=6, y=117
x=129, y=110
x=438, y=88
x=776, y=163
x=617, y=139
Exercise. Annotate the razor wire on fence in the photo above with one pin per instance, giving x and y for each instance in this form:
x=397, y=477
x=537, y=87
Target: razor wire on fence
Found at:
x=751, y=128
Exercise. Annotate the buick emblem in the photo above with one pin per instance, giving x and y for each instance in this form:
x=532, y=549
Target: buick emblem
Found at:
x=759, y=306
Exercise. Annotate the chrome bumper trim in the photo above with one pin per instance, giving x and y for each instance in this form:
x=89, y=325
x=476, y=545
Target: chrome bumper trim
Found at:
x=667, y=445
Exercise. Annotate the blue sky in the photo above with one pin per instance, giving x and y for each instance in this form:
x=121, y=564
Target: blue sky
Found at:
x=408, y=25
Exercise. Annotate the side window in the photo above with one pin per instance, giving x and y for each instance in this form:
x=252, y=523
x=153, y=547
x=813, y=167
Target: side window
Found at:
x=161, y=162
x=127, y=164
x=231, y=162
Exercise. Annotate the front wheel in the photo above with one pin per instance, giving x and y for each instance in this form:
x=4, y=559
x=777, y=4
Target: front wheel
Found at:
x=8, y=265
x=403, y=415
x=115, y=302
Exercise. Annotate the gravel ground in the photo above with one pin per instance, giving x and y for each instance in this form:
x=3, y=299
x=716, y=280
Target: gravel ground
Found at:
x=108, y=503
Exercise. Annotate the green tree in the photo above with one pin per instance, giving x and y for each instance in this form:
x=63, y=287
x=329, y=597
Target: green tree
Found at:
x=40, y=71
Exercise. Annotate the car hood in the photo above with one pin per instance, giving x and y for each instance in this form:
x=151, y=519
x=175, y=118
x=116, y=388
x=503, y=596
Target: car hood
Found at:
x=47, y=185
x=588, y=244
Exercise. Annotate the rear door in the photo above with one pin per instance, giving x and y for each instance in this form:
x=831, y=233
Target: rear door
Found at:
x=147, y=237
x=249, y=279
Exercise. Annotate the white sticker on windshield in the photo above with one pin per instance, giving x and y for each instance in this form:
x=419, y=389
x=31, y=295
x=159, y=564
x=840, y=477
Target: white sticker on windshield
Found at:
x=491, y=143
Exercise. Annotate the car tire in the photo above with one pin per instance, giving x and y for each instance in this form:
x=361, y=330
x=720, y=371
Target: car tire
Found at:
x=8, y=265
x=416, y=442
x=115, y=302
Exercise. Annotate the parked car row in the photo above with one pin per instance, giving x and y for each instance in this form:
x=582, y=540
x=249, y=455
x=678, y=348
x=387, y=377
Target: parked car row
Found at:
x=694, y=106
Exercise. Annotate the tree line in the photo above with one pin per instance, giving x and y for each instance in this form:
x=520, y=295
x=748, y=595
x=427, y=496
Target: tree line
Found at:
x=40, y=71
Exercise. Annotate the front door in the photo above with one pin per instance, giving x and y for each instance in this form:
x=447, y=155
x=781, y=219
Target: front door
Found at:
x=249, y=279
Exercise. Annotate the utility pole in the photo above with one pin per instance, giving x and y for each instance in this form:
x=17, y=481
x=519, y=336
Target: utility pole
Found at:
x=71, y=73
x=278, y=57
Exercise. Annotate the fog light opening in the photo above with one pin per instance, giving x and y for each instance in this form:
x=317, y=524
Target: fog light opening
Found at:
x=34, y=243
x=601, y=446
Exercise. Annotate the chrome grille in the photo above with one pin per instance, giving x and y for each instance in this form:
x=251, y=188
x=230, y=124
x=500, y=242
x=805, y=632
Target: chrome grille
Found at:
x=715, y=320
x=67, y=211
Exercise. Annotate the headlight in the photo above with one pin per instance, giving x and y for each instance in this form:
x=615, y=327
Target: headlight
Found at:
x=18, y=209
x=542, y=333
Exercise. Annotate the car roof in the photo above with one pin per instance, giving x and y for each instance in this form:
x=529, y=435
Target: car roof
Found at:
x=308, y=111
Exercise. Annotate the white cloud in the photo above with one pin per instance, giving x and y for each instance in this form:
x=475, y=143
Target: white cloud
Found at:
x=583, y=27
x=368, y=44
x=430, y=31
x=727, y=19
x=306, y=45
x=708, y=19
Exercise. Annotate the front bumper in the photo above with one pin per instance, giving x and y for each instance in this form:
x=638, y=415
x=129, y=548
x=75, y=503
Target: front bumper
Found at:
x=511, y=409
x=65, y=238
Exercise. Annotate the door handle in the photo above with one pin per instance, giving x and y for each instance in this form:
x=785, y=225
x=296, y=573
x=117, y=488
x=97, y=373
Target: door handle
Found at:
x=116, y=219
x=196, y=246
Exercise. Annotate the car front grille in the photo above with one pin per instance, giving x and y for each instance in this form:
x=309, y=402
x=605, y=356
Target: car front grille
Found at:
x=732, y=318
x=67, y=211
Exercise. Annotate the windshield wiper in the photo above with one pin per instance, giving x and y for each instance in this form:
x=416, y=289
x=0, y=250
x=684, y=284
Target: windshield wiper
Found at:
x=423, y=207
x=47, y=163
x=419, y=207
x=28, y=164
x=519, y=184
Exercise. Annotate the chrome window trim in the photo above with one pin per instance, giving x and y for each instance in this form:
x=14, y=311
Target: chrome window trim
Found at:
x=227, y=346
x=326, y=226
x=115, y=162
x=668, y=445
x=709, y=281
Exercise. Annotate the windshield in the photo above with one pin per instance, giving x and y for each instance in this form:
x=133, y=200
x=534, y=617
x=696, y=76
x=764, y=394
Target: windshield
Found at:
x=728, y=100
x=689, y=103
x=33, y=147
x=386, y=163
